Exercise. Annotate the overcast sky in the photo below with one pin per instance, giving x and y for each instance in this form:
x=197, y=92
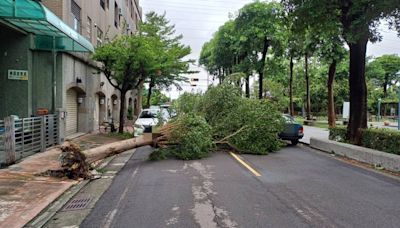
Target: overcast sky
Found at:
x=198, y=20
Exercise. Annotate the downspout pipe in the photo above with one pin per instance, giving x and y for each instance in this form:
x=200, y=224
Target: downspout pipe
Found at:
x=54, y=76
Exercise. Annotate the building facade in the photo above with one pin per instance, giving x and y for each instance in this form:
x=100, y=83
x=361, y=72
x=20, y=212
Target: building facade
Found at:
x=60, y=76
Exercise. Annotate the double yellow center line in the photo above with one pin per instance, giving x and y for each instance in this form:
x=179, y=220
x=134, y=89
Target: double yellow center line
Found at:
x=247, y=166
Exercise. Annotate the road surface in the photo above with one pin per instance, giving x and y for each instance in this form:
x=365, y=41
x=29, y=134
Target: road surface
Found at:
x=296, y=187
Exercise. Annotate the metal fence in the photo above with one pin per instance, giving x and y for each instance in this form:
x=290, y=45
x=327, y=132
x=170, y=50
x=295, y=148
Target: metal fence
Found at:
x=20, y=138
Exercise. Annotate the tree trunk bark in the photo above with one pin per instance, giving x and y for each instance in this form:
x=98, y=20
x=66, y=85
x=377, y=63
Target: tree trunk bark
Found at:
x=122, y=112
x=386, y=82
x=150, y=91
x=358, y=91
x=262, y=67
x=139, y=103
x=248, y=86
x=308, y=88
x=291, y=87
x=107, y=150
x=331, y=98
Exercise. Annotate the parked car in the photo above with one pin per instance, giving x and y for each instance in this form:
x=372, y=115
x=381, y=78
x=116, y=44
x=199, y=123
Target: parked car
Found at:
x=148, y=118
x=293, y=131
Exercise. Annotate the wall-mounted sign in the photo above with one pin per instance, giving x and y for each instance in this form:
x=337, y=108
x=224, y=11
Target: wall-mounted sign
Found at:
x=21, y=75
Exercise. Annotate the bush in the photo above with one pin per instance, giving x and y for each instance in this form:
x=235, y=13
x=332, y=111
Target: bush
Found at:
x=384, y=140
x=338, y=134
x=190, y=138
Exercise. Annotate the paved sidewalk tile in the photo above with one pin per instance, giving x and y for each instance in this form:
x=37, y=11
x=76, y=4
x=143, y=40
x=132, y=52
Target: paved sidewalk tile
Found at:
x=24, y=194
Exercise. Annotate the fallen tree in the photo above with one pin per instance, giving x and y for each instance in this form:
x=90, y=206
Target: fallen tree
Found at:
x=75, y=164
x=220, y=119
x=224, y=118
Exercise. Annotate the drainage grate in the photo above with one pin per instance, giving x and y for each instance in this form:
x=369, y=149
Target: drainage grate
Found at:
x=77, y=204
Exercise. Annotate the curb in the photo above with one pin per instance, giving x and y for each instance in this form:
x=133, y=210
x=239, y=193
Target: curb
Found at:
x=47, y=214
x=376, y=158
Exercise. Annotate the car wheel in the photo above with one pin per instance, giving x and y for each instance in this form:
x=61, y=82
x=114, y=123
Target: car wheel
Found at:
x=295, y=142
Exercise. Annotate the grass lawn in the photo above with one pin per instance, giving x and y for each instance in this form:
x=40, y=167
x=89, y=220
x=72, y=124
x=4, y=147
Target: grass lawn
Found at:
x=318, y=123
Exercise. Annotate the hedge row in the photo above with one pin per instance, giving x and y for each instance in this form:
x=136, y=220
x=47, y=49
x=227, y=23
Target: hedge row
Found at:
x=378, y=139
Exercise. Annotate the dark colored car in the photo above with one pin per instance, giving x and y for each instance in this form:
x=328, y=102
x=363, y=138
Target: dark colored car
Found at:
x=293, y=131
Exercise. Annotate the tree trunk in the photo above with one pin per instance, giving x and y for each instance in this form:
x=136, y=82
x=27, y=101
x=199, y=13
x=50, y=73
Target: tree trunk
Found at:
x=308, y=88
x=262, y=67
x=122, y=111
x=107, y=150
x=139, y=103
x=358, y=91
x=331, y=98
x=385, y=83
x=291, y=87
x=248, y=86
x=150, y=91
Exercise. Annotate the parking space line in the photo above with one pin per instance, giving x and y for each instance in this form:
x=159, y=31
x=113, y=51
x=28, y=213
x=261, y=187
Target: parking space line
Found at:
x=247, y=166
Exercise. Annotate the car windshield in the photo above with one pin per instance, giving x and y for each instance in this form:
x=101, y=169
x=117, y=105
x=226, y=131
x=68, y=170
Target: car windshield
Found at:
x=146, y=114
x=289, y=119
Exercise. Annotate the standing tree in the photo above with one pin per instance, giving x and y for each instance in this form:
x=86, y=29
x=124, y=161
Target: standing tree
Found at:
x=170, y=54
x=385, y=71
x=358, y=22
x=126, y=62
x=259, y=26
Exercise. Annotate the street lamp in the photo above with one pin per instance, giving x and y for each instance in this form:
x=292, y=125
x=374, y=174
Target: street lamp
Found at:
x=379, y=109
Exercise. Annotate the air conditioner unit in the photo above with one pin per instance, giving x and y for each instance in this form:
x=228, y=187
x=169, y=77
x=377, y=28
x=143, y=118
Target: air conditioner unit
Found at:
x=120, y=11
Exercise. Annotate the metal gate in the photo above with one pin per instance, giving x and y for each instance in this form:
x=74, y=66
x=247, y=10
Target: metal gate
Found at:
x=20, y=138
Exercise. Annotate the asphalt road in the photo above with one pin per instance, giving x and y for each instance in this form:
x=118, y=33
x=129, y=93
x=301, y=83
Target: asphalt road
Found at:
x=298, y=187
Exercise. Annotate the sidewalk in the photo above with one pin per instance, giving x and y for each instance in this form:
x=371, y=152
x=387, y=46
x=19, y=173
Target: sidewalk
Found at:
x=24, y=194
x=314, y=132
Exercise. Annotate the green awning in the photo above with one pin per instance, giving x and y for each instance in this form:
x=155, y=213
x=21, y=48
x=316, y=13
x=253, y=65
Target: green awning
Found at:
x=31, y=16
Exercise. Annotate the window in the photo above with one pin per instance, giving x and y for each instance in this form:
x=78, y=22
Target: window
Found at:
x=89, y=28
x=99, y=37
x=116, y=15
x=76, y=13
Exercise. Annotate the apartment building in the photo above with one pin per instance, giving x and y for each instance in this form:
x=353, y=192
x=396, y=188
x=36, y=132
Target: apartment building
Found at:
x=45, y=64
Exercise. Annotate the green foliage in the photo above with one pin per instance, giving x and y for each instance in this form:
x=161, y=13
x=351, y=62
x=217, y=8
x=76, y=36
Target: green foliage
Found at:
x=171, y=53
x=157, y=97
x=218, y=102
x=338, y=134
x=187, y=103
x=192, y=139
x=130, y=113
x=247, y=125
x=262, y=123
x=383, y=71
x=384, y=140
